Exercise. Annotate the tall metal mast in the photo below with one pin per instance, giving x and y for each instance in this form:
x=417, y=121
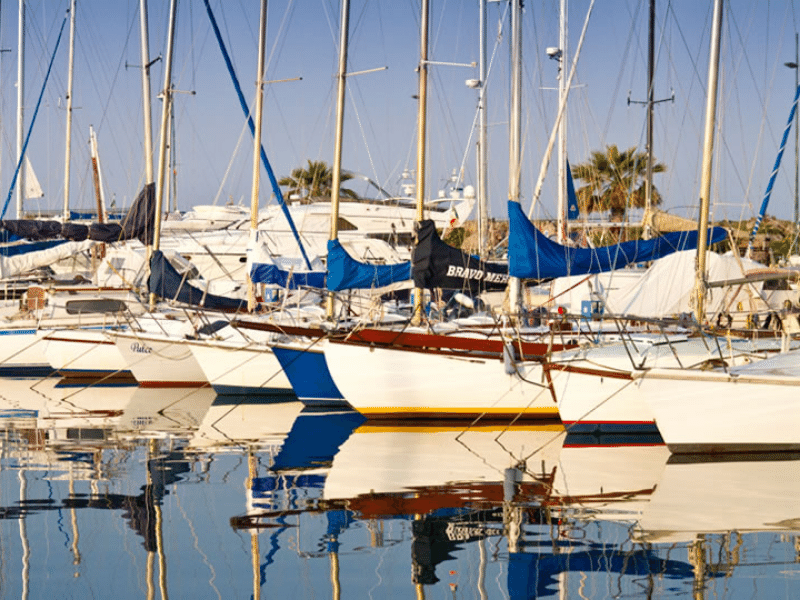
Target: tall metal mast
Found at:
x=259, y=112
x=708, y=155
x=344, y=26
x=651, y=58
x=68, y=152
x=421, y=136
x=562, y=126
x=483, y=144
x=515, y=131
x=162, y=152
x=146, y=98
x=20, y=104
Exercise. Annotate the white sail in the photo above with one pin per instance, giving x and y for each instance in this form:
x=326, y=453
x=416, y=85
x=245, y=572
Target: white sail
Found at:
x=32, y=187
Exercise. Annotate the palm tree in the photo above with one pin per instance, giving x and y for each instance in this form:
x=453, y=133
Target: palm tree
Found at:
x=615, y=181
x=315, y=181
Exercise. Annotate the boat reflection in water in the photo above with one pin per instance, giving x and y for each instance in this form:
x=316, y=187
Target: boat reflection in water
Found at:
x=136, y=492
x=738, y=517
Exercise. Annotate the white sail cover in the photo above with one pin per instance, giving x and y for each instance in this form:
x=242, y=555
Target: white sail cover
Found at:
x=666, y=287
x=18, y=264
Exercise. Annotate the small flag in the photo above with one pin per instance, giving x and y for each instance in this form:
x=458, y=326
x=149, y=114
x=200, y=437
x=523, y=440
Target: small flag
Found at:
x=572, y=199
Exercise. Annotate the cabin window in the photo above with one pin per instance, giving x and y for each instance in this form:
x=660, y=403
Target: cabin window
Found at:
x=95, y=305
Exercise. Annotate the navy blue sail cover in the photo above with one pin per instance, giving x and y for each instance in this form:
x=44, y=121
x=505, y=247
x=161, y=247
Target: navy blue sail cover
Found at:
x=167, y=283
x=138, y=224
x=438, y=265
x=531, y=255
x=346, y=273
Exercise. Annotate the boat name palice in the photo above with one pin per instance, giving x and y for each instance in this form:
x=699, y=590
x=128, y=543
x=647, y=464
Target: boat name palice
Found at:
x=141, y=348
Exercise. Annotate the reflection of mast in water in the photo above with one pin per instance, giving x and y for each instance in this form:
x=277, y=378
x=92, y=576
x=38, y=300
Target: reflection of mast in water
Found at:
x=252, y=472
x=76, y=554
x=416, y=575
x=153, y=495
x=23, y=535
x=482, y=569
x=333, y=554
x=512, y=514
x=697, y=558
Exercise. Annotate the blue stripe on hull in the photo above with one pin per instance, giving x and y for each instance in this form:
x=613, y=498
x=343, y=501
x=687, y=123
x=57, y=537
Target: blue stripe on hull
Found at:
x=589, y=427
x=325, y=402
x=308, y=373
x=240, y=390
x=38, y=371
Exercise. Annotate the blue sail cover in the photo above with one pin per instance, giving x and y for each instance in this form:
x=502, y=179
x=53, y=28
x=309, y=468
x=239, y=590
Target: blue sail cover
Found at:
x=531, y=255
x=167, y=283
x=346, y=273
x=286, y=272
x=271, y=274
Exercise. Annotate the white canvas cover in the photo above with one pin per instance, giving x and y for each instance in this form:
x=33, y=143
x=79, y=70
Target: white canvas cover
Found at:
x=666, y=287
x=11, y=266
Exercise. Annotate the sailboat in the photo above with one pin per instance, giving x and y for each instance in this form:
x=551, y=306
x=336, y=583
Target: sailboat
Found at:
x=601, y=387
x=739, y=401
x=466, y=369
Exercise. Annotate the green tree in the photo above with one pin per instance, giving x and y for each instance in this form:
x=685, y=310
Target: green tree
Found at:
x=315, y=181
x=615, y=181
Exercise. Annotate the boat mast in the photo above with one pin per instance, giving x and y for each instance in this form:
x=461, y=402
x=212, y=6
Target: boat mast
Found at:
x=560, y=114
x=20, y=103
x=562, y=125
x=421, y=137
x=336, y=184
x=648, y=179
x=162, y=151
x=146, y=101
x=259, y=112
x=708, y=150
x=97, y=176
x=483, y=144
x=67, y=157
x=515, y=132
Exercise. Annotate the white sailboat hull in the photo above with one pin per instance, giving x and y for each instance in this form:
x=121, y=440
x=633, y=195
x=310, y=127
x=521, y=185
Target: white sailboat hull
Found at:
x=752, y=409
x=393, y=383
x=233, y=368
x=84, y=353
x=159, y=361
x=22, y=352
x=598, y=388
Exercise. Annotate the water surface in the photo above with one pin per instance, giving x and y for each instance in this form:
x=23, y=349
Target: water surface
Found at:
x=127, y=492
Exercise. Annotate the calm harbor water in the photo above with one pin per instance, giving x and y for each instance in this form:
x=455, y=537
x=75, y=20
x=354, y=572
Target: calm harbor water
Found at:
x=127, y=492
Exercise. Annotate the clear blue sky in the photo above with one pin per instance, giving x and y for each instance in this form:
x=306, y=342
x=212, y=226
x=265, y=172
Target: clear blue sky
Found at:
x=755, y=95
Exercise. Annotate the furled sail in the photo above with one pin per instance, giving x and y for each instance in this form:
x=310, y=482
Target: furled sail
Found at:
x=137, y=224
